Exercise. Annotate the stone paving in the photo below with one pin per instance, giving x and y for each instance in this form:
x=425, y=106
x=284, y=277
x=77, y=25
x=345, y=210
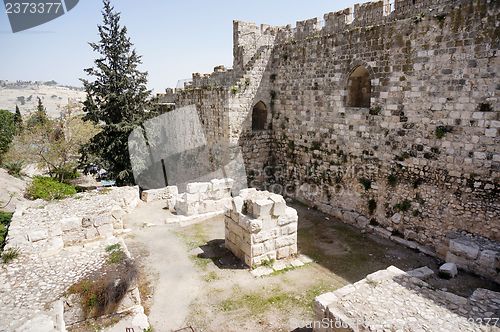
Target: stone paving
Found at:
x=56, y=250
x=30, y=284
x=392, y=300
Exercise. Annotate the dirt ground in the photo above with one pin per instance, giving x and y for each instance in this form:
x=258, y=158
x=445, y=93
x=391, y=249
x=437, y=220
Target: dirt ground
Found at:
x=191, y=280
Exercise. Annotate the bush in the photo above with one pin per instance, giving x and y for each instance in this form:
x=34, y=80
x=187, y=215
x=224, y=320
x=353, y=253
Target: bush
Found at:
x=48, y=189
x=14, y=168
x=366, y=183
x=7, y=130
x=392, y=180
x=9, y=255
x=100, y=296
x=403, y=206
x=5, y=218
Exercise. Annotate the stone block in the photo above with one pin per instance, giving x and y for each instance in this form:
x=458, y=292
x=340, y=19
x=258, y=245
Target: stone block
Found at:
x=218, y=184
x=464, y=247
x=103, y=219
x=105, y=231
x=37, y=235
x=279, y=205
x=71, y=224
x=117, y=212
x=284, y=241
x=91, y=233
x=448, y=270
x=289, y=229
x=171, y=191
x=283, y=252
x=198, y=187
x=489, y=260
x=247, y=193
x=237, y=204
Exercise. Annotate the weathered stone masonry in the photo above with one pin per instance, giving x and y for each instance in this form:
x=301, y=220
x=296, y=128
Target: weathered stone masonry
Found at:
x=420, y=163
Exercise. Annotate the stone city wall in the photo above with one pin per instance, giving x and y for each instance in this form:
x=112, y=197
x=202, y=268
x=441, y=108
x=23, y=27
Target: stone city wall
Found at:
x=420, y=162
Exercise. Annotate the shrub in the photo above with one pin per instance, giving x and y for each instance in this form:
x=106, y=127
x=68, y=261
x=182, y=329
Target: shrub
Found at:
x=392, y=180
x=234, y=89
x=102, y=295
x=403, y=206
x=366, y=183
x=14, y=168
x=116, y=254
x=441, y=131
x=376, y=110
x=5, y=218
x=48, y=189
x=10, y=254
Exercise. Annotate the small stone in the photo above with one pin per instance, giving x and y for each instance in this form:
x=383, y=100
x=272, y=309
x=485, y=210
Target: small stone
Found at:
x=448, y=270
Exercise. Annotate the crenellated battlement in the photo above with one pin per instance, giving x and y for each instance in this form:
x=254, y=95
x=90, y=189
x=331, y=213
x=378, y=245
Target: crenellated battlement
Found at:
x=364, y=14
x=249, y=38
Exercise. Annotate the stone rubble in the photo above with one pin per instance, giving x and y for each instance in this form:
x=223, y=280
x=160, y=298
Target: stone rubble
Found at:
x=392, y=300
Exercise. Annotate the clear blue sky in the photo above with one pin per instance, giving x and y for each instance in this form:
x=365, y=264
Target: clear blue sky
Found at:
x=174, y=37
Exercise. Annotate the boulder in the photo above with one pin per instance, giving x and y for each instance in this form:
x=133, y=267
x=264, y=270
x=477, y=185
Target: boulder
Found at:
x=421, y=273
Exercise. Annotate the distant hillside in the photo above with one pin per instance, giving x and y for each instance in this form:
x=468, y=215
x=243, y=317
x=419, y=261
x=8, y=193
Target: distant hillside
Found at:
x=24, y=94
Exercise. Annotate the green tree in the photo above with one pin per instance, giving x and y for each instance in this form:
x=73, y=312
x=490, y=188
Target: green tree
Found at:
x=18, y=120
x=53, y=145
x=117, y=97
x=7, y=131
x=39, y=117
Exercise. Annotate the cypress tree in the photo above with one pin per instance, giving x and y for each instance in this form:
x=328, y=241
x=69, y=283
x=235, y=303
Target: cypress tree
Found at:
x=18, y=120
x=39, y=117
x=116, y=97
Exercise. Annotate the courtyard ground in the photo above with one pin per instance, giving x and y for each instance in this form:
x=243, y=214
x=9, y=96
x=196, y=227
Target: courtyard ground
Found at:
x=190, y=280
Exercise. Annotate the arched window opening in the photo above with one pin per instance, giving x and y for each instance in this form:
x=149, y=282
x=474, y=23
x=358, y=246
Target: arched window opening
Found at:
x=259, y=116
x=359, y=88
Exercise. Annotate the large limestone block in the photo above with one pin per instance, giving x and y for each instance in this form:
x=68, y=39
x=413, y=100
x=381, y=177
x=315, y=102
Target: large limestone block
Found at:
x=464, y=247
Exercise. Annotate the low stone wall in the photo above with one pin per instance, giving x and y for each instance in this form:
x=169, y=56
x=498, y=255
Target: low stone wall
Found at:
x=168, y=193
x=260, y=227
x=59, y=243
x=204, y=197
x=474, y=253
x=46, y=228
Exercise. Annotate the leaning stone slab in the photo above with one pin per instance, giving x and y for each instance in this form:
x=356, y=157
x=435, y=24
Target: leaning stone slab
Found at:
x=462, y=247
